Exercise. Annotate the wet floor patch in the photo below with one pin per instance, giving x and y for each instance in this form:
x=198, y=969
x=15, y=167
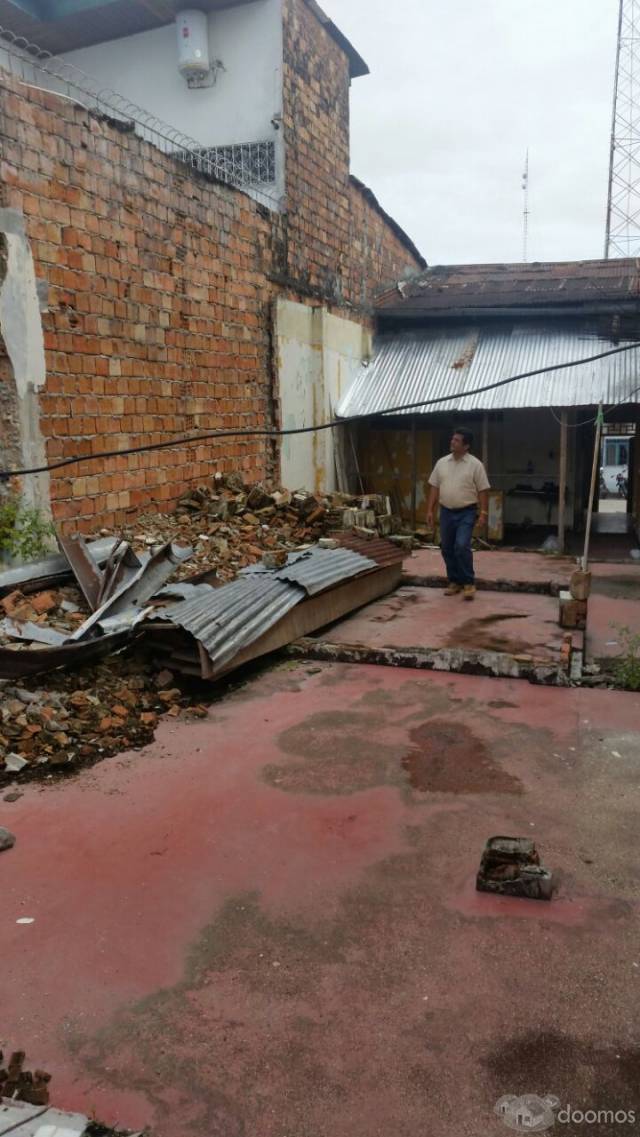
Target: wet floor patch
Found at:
x=591, y=1077
x=447, y=757
x=478, y=633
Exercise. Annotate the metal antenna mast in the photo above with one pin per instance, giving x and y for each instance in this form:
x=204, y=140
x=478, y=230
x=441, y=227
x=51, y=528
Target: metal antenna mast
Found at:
x=622, y=238
x=525, y=211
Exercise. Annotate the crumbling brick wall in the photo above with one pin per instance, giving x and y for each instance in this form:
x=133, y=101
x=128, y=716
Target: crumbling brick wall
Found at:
x=340, y=243
x=162, y=284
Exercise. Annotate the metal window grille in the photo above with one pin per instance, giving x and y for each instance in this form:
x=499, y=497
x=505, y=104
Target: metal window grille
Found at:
x=250, y=163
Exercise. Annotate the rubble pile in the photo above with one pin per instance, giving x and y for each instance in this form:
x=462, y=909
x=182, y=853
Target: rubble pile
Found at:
x=59, y=706
x=53, y=724
x=230, y=525
x=19, y=1084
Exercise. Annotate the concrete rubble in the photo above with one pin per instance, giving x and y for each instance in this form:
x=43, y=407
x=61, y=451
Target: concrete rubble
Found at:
x=56, y=626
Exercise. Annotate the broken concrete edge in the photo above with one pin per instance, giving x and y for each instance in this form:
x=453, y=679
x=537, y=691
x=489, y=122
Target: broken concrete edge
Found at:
x=536, y=588
x=466, y=662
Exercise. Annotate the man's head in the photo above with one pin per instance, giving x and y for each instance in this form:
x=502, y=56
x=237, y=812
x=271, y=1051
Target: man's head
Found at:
x=461, y=442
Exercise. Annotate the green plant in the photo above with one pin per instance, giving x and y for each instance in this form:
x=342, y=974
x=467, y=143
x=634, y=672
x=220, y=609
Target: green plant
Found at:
x=627, y=664
x=24, y=533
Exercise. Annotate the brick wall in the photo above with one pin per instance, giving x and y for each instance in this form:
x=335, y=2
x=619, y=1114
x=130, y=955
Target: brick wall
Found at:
x=158, y=306
x=340, y=242
x=161, y=284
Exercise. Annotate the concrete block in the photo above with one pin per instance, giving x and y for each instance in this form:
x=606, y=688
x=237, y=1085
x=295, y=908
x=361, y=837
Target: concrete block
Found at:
x=385, y=525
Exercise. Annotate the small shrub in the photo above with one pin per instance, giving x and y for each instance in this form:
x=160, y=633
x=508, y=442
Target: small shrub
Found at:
x=627, y=664
x=24, y=533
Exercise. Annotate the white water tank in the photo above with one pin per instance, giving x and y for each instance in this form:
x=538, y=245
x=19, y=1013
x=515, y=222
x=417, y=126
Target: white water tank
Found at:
x=193, y=43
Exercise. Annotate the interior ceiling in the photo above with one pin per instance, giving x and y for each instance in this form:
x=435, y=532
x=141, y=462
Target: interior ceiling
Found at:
x=64, y=25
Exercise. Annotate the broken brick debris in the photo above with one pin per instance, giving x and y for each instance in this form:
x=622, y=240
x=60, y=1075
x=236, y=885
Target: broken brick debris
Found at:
x=53, y=725
x=510, y=866
x=23, y=1085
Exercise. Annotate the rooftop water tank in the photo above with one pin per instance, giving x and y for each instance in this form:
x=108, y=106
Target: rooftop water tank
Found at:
x=193, y=43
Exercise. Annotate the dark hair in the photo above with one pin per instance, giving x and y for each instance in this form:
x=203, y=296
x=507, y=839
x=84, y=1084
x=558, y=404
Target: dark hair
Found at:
x=465, y=435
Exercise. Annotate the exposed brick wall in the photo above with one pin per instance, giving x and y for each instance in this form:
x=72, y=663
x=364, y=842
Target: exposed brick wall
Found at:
x=338, y=240
x=161, y=284
x=158, y=320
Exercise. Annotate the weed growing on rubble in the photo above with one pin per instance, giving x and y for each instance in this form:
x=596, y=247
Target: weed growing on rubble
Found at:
x=24, y=533
x=627, y=664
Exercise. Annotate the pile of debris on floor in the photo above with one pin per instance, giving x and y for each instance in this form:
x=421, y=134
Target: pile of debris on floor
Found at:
x=229, y=525
x=251, y=584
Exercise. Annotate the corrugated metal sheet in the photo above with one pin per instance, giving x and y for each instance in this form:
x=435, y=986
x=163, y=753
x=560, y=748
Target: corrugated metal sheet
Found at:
x=416, y=366
x=318, y=569
x=384, y=553
x=226, y=620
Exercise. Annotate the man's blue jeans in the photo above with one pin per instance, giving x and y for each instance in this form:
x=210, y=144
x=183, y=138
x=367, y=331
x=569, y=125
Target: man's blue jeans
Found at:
x=456, y=531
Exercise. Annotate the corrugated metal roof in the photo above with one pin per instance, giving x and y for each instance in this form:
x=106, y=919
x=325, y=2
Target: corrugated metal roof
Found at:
x=226, y=620
x=446, y=288
x=383, y=552
x=316, y=569
x=432, y=364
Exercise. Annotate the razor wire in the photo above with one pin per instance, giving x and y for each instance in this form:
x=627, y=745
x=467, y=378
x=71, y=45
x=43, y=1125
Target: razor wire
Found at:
x=234, y=165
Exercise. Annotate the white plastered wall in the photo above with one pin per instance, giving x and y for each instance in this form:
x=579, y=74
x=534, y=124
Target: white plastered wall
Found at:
x=243, y=102
x=318, y=354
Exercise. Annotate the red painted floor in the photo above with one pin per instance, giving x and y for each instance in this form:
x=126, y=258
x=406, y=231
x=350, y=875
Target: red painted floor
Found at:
x=514, y=623
x=266, y=923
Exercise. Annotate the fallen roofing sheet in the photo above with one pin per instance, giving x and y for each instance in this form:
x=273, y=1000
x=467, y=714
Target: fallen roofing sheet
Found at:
x=226, y=620
x=50, y=570
x=15, y=663
x=23, y=1120
x=233, y=623
x=317, y=569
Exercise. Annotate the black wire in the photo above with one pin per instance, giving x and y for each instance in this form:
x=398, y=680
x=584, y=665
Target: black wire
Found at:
x=272, y=433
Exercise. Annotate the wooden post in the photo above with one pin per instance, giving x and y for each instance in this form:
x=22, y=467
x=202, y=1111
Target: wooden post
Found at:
x=485, y=441
x=592, y=490
x=562, y=480
x=414, y=472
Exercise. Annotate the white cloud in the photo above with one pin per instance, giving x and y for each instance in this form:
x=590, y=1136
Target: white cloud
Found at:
x=458, y=90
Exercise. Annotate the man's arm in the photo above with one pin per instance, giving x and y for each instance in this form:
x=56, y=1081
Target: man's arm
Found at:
x=434, y=497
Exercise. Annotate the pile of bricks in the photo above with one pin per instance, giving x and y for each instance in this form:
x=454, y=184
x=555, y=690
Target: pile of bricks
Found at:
x=231, y=525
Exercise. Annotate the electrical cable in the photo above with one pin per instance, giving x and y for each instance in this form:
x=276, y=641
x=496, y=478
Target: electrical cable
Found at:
x=607, y=411
x=273, y=433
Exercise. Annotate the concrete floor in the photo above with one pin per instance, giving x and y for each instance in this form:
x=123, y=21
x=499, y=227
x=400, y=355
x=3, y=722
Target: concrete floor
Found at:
x=614, y=603
x=513, y=623
x=533, y=569
x=266, y=924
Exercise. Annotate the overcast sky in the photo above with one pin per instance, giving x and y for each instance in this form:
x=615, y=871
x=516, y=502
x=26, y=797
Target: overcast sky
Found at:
x=458, y=90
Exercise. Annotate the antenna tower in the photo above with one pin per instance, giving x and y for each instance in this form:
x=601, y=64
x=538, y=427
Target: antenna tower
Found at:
x=622, y=238
x=525, y=211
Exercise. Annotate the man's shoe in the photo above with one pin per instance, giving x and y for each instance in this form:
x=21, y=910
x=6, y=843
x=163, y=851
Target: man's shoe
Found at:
x=469, y=591
x=453, y=589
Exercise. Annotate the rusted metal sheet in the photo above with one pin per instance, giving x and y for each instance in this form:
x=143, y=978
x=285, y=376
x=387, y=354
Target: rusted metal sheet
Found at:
x=382, y=552
x=85, y=568
x=15, y=662
x=446, y=287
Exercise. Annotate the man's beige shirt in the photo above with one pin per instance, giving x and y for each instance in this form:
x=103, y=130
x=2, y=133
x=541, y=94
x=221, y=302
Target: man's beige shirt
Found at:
x=460, y=480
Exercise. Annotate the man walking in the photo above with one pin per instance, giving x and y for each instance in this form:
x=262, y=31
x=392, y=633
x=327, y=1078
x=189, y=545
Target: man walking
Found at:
x=459, y=484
